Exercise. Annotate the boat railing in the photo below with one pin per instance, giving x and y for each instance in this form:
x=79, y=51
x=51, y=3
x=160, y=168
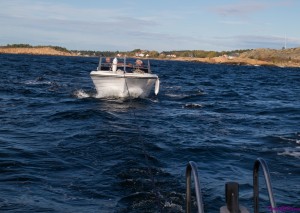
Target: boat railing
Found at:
x=231, y=190
x=192, y=169
x=127, y=67
x=260, y=162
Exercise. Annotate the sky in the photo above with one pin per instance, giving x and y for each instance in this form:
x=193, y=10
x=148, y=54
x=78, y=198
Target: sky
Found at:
x=161, y=25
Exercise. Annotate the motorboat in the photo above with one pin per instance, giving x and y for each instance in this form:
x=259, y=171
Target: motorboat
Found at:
x=122, y=80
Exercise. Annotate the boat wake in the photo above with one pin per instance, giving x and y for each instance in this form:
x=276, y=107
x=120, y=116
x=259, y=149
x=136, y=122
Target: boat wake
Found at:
x=111, y=95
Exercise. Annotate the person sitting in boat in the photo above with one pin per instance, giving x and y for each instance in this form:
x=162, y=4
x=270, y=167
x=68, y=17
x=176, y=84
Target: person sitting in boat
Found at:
x=139, y=67
x=139, y=63
x=107, y=64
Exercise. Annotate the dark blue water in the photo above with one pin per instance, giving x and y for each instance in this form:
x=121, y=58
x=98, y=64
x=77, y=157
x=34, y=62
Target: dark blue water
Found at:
x=63, y=150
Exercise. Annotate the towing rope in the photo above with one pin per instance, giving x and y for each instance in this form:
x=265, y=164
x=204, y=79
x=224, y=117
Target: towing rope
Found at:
x=150, y=172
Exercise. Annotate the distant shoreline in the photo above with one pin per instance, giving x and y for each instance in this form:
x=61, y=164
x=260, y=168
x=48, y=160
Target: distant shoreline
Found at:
x=240, y=60
x=35, y=51
x=223, y=60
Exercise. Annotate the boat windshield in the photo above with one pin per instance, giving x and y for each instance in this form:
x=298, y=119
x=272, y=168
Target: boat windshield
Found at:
x=129, y=65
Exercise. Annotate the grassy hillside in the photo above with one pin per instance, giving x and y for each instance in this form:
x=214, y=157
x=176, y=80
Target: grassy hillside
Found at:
x=284, y=58
x=35, y=50
x=291, y=55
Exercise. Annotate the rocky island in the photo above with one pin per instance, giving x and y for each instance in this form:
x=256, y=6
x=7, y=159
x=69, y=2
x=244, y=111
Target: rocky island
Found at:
x=38, y=50
x=256, y=57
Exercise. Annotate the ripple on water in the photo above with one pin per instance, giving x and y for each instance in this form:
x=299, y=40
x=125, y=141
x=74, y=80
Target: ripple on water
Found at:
x=62, y=148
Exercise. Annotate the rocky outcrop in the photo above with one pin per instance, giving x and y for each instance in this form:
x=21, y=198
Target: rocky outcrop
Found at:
x=225, y=60
x=285, y=57
x=289, y=54
x=35, y=51
x=265, y=57
x=257, y=57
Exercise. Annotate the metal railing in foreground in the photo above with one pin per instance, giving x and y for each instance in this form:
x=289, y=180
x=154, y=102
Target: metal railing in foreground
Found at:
x=261, y=162
x=231, y=191
x=192, y=168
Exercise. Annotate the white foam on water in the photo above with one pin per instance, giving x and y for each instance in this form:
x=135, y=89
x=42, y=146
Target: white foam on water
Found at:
x=82, y=94
x=133, y=93
x=35, y=82
x=173, y=206
x=173, y=87
x=288, y=139
x=291, y=152
x=175, y=95
x=110, y=94
x=192, y=106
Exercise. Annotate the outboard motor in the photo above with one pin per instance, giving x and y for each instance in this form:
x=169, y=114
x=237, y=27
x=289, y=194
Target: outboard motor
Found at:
x=115, y=65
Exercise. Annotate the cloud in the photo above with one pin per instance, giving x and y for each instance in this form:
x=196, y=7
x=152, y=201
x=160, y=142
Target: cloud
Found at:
x=240, y=9
x=107, y=27
x=233, y=22
x=244, y=8
x=253, y=42
x=53, y=10
x=46, y=23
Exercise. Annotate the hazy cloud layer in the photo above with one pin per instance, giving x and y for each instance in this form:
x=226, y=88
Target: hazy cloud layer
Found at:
x=244, y=8
x=240, y=9
x=126, y=25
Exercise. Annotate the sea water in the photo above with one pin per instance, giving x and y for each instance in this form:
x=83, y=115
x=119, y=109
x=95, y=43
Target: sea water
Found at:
x=62, y=149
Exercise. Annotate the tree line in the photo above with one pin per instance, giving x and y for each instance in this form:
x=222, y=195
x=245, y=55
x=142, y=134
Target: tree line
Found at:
x=163, y=54
x=62, y=49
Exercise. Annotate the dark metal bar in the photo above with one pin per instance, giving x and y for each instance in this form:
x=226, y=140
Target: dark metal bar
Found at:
x=261, y=162
x=149, y=68
x=232, y=197
x=125, y=64
x=192, y=168
x=99, y=65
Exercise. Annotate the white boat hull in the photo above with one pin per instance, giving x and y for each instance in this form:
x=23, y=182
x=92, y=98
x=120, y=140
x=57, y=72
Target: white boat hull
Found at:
x=114, y=84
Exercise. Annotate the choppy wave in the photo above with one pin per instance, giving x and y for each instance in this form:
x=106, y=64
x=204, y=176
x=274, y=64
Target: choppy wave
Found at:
x=184, y=96
x=35, y=82
x=291, y=151
x=64, y=149
x=193, y=106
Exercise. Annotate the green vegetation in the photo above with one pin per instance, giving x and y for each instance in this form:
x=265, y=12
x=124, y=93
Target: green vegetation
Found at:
x=164, y=54
x=95, y=53
x=133, y=53
x=152, y=54
x=18, y=46
x=282, y=56
x=270, y=55
x=62, y=49
x=202, y=53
